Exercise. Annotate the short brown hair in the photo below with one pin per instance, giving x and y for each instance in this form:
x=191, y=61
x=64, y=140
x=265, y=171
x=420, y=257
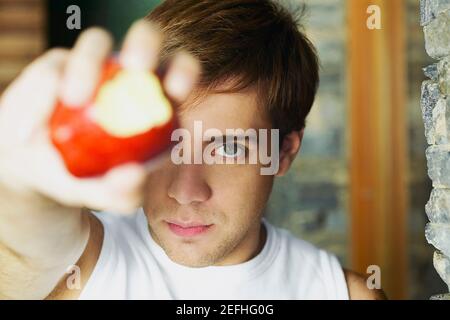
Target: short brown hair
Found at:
x=247, y=42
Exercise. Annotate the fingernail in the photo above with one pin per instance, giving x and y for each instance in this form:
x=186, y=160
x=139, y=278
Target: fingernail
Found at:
x=179, y=84
x=136, y=59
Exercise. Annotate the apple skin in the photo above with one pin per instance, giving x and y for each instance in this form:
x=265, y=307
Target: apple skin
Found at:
x=88, y=150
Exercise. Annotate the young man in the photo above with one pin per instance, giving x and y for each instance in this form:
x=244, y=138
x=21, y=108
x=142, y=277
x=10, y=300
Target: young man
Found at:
x=198, y=232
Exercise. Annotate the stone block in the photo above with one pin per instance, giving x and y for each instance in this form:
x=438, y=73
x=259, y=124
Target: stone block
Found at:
x=437, y=36
x=438, y=207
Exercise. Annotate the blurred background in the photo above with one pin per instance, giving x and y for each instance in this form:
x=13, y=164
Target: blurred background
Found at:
x=360, y=185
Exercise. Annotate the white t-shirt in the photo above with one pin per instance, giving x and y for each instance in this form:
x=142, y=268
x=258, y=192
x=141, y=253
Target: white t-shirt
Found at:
x=133, y=266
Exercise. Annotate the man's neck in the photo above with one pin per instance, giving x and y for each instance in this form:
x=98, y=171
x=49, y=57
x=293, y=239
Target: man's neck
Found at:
x=249, y=247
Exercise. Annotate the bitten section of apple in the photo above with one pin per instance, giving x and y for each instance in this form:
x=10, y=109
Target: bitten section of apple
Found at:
x=129, y=119
x=130, y=104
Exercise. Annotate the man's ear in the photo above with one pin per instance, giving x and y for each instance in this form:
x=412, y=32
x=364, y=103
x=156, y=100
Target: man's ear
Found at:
x=290, y=146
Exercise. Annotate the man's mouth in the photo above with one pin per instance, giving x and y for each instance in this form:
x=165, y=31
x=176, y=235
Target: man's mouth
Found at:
x=188, y=229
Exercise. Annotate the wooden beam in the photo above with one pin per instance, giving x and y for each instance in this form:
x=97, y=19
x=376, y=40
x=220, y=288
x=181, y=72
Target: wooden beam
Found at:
x=378, y=189
x=22, y=36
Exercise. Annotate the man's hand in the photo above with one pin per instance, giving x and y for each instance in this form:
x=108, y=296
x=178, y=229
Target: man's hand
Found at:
x=28, y=161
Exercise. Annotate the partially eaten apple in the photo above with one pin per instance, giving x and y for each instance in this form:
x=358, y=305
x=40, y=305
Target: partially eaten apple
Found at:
x=129, y=119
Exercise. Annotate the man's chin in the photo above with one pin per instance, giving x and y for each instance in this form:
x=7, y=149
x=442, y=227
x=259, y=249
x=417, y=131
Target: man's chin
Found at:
x=189, y=259
x=193, y=252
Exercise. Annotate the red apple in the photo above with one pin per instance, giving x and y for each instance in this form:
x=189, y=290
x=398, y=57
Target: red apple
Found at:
x=129, y=119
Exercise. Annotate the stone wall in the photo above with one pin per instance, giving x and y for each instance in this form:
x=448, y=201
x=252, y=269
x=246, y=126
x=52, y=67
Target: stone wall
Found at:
x=435, y=19
x=311, y=201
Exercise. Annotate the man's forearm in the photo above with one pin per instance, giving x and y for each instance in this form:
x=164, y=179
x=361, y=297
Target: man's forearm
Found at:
x=39, y=239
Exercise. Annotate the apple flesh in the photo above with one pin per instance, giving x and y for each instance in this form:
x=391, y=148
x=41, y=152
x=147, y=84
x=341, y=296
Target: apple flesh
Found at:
x=129, y=119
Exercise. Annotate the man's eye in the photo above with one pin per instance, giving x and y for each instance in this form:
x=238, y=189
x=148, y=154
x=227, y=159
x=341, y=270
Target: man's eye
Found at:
x=230, y=150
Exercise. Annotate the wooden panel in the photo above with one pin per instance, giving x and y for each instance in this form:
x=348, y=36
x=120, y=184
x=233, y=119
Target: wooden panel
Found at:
x=22, y=36
x=378, y=158
x=13, y=17
x=21, y=44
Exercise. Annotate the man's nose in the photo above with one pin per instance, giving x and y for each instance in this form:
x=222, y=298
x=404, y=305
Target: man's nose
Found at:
x=188, y=185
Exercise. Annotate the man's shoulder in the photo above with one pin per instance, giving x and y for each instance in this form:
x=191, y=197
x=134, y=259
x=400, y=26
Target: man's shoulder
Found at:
x=310, y=267
x=318, y=258
x=84, y=266
x=358, y=288
x=112, y=237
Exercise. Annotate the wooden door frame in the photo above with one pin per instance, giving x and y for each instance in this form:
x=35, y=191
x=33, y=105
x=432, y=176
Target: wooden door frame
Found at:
x=378, y=142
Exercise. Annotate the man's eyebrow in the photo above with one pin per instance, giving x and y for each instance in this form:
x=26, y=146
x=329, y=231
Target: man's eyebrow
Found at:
x=253, y=139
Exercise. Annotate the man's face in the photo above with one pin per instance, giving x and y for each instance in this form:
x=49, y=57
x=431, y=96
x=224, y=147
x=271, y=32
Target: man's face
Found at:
x=203, y=214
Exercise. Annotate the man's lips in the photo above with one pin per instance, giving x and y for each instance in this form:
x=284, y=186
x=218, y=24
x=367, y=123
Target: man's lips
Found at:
x=188, y=230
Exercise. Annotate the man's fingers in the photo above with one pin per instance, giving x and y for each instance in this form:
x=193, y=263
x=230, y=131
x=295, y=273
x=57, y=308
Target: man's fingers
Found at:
x=51, y=62
x=125, y=179
x=141, y=46
x=182, y=76
x=85, y=66
x=29, y=101
x=120, y=190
